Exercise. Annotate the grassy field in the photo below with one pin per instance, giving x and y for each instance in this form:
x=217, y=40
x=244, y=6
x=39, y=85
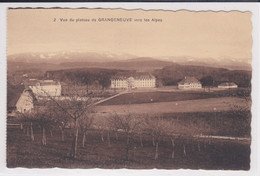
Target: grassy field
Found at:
x=225, y=123
x=199, y=154
x=177, y=95
x=199, y=105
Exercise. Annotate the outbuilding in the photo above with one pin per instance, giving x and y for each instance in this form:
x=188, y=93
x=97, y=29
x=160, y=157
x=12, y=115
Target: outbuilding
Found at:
x=227, y=85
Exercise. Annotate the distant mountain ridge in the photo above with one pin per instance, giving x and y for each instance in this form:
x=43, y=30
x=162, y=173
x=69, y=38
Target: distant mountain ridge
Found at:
x=75, y=59
x=64, y=56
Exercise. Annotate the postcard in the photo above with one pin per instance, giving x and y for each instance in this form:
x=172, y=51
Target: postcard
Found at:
x=116, y=88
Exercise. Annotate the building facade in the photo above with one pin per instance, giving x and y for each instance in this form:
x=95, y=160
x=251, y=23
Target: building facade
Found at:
x=26, y=101
x=227, y=85
x=189, y=83
x=44, y=88
x=133, y=80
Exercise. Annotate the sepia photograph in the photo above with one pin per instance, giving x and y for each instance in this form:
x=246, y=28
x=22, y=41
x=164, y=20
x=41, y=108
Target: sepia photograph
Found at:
x=136, y=89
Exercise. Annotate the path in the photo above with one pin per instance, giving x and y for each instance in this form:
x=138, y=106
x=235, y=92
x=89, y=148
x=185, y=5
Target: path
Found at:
x=106, y=99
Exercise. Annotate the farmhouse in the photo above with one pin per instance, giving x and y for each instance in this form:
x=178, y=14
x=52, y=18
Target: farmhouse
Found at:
x=43, y=88
x=189, y=83
x=227, y=85
x=133, y=80
x=26, y=101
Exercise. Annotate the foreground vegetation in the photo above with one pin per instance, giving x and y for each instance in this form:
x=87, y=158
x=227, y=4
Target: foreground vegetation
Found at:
x=133, y=141
x=190, y=153
x=70, y=133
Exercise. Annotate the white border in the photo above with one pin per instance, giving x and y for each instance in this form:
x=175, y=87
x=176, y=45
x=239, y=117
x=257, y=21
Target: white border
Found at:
x=255, y=155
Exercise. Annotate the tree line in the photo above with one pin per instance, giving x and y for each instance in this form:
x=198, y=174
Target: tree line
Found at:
x=171, y=75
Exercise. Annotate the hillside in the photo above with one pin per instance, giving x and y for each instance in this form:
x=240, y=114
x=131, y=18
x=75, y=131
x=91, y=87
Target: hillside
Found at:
x=140, y=64
x=171, y=75
x=68, y=66
x=84, y=76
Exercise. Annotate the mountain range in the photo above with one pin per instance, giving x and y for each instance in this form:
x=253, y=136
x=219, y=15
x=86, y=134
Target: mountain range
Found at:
x=79, y=59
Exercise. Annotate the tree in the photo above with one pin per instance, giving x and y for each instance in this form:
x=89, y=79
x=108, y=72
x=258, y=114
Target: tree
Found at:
x=100, y=124
x=45, y=119
x=207, y=82
x=61, y=119
x=242, y=112
x=73, y=107
x=128, y=124
x=158, y=127
x=141, y=129
x=28, y=119
x=85, y=124
x=104, y=81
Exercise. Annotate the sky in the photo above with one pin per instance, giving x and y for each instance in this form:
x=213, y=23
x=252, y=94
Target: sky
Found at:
x=180, y=33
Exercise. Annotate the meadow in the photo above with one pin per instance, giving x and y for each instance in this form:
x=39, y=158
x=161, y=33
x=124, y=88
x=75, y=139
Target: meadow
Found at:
x=199, y=105
x=136, y=97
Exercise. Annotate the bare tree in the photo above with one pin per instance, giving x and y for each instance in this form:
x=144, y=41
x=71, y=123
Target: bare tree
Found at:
x=45, y=119
x=85, y=124
x=28, y=119
x=128, y=124
x=73, y=107
x=141, y=128
x=101, y=124
x=158, y=127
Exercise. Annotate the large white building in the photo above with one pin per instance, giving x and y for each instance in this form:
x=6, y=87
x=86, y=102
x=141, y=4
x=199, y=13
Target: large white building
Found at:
x=189, y=83
x=133, y=80
x=44, y=88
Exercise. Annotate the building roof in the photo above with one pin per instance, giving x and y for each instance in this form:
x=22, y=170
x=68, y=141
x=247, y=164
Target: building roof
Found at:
x=13, y=94
x=30, y=92
x=227, y=84
x=135, y=75
x=188, y=80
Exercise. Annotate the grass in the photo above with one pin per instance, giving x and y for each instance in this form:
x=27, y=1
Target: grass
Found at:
x=228, y=123
x=22, y=152
x=199, y=105
x=155, y=97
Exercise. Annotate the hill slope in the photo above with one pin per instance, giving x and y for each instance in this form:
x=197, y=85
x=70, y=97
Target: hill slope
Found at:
x=171, y=75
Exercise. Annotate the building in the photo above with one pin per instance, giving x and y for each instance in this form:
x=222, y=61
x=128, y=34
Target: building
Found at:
x=189, y=83
x=133, y=80
x=227, y=85
x=26, y=101
x=44, y=88
x=13, y=95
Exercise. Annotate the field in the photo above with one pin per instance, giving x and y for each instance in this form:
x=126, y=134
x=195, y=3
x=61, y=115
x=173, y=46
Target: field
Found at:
x=136, y=97
x=193, y=115
x=199, y=154
x=202, y=105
